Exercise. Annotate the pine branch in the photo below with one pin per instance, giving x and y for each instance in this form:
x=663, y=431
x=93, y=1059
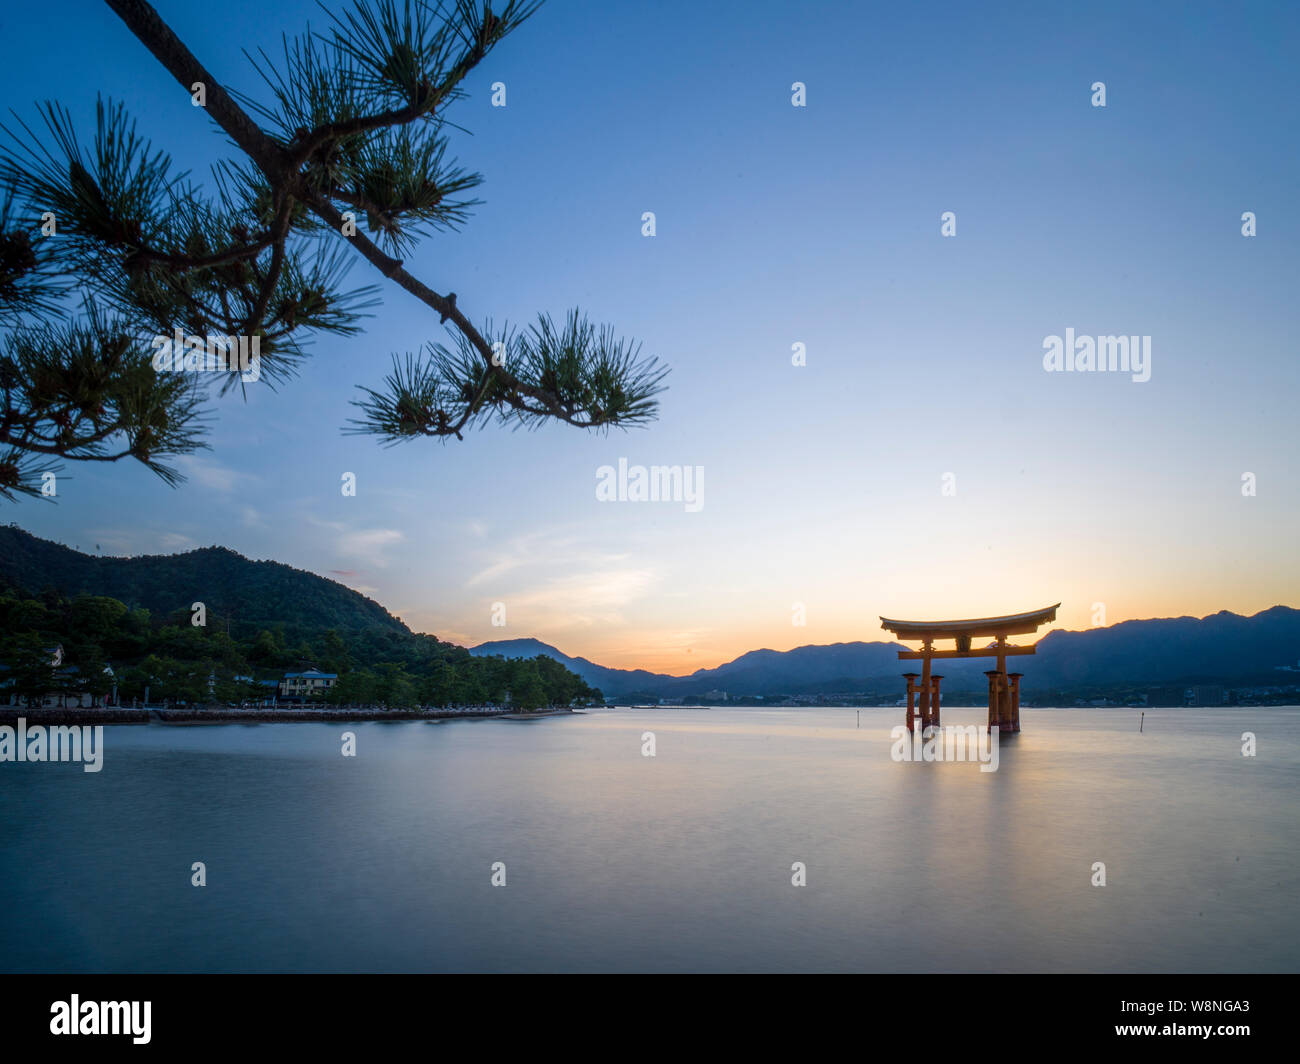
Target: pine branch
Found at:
x=87, y=391
x=356, y=121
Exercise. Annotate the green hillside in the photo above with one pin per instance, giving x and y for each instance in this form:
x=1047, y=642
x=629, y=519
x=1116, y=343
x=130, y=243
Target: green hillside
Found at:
x=250, y=595
x=135, y=615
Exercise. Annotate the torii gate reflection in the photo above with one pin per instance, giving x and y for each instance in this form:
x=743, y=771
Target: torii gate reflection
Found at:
x=1004, y=687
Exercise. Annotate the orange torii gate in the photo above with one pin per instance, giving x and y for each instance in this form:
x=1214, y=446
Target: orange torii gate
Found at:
x=1004, y=687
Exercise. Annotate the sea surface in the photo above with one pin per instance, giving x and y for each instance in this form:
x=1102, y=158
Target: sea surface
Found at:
x=680, y=862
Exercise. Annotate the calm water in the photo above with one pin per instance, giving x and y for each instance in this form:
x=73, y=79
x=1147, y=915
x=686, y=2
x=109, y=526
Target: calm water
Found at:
x=680, y=862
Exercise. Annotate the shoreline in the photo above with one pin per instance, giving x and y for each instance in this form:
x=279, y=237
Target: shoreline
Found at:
x=82, y=717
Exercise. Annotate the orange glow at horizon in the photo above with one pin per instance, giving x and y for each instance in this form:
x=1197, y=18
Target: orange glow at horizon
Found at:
x=665, y=652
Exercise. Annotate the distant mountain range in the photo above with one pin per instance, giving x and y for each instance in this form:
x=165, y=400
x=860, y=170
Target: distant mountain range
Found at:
x=1219, y=649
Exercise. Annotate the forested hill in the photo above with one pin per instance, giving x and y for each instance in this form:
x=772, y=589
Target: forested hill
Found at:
x=134, y=615
x=252, y=595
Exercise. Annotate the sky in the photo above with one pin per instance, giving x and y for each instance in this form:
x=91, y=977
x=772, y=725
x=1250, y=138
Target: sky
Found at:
x=922, y=463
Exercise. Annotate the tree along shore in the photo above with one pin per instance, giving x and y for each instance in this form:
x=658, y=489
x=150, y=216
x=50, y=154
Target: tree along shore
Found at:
x=53, y=715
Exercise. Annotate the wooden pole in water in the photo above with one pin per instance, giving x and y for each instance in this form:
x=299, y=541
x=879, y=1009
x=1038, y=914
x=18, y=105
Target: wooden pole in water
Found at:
x=1141, y=721
x=934, y=701
x=910, y=720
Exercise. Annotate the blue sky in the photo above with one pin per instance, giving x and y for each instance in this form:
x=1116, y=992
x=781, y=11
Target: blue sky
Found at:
x=776, y=225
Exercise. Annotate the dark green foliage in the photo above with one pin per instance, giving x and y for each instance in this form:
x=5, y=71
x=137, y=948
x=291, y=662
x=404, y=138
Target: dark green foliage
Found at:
x=134, y=614
x=252, y=595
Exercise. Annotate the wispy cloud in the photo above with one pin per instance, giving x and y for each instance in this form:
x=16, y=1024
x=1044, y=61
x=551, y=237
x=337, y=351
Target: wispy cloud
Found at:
x=366, y=545
x=577, y=600
x=546, y=550
x=134, y=541
x=370, y=544
x=213, y=475
x=587, y=598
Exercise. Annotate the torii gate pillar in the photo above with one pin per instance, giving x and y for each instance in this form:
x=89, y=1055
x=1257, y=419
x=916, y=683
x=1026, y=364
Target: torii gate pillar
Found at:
x=910, y=719
x=993, y=721
x=925, y=688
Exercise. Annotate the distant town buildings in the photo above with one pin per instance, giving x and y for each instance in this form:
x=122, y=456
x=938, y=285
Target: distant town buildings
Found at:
x=304, y=685
x=68, y=681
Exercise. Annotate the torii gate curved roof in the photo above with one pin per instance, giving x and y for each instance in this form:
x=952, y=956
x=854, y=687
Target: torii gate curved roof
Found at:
x=1012, y=624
